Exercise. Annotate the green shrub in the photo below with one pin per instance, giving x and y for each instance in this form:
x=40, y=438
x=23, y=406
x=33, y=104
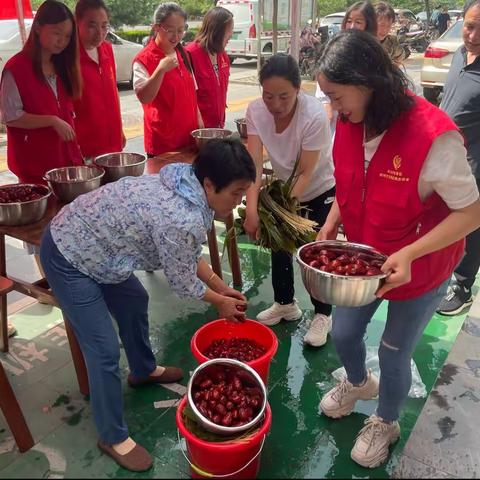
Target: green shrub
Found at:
x=133, y=35
x=138, y=35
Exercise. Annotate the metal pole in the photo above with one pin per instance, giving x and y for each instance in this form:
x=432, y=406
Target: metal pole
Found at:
x=259, y=35
x=275, y=26
x=295, y=22
x=21, y=22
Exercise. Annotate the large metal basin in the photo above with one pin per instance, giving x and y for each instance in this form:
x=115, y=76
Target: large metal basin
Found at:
x=121, y=164
x=337, y=289
x=67, y=183
x=203, y=135
x=248, y=376
x=23, y=213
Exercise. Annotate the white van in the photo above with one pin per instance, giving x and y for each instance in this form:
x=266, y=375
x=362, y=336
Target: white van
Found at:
x=244, y=42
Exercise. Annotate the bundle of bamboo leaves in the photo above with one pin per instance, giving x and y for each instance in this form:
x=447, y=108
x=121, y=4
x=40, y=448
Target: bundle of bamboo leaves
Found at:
x=281, y=225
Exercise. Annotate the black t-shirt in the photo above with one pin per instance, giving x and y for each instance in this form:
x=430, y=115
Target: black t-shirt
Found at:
x=442, y=22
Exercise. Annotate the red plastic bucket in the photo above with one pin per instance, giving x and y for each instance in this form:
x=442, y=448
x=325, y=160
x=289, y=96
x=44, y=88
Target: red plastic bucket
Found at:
x=251, y=329
x=226, y=459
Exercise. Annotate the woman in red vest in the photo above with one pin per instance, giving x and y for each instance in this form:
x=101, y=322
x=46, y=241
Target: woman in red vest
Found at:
x=37, y=91
x=163, y=82
x=98, y=121
x=404, y=186
x=211, y=65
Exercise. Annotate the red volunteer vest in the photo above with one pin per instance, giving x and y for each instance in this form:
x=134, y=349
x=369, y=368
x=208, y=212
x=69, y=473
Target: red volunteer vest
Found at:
x=382, y=208
x=33, y=152
x=98, y=121
x=172, y=115
x=211, y=90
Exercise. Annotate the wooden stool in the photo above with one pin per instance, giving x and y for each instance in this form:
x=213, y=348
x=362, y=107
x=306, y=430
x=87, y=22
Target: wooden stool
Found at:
x=8, y=401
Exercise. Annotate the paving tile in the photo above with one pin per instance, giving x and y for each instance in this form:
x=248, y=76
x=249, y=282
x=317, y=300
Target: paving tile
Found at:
x=445, y=437
x=408, y=467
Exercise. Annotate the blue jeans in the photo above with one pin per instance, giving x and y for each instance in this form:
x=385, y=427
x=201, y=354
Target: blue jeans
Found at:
x=89, y=306
x=406, y=321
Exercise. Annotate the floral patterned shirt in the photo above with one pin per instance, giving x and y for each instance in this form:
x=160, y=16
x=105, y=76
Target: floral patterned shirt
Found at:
x=150, y=222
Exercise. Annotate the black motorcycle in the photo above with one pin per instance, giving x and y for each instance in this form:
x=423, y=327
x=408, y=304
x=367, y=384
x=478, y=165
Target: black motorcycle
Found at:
x=307, y=60
x=412, y=40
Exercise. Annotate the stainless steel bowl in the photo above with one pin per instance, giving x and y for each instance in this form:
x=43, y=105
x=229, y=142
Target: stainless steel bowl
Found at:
x=67, y=183
x=337, y=289
x=121, y=164
x=23, y=213
x=242, y=127
x=248, y=376
x=203, y=135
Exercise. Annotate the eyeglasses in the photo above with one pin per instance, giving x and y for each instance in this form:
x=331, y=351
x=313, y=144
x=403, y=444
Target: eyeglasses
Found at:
x=172, y=32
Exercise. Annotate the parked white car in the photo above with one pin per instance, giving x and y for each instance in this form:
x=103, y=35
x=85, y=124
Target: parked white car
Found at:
x=123, y=50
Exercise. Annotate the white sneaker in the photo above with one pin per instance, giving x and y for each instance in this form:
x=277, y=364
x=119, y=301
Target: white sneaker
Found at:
x=374, y=439
x=340, y=400
x=274, y=314
x=318, y=330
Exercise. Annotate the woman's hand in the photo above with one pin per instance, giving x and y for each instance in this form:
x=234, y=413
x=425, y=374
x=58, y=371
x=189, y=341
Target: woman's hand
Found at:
x=232, y=308
x=398, y=266
x=168, y=63
x=63, y=129
x=251, y=225
x=328, y=232
x=231, y=292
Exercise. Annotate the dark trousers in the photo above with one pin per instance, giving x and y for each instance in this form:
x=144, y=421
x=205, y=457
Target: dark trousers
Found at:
x=468, y=268
x=282, y=262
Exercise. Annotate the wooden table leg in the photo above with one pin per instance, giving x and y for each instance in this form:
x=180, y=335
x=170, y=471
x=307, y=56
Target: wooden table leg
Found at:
x=3, y=299
x=213, y=248
x=78, y=360
x=233, y=253
x=13, y=414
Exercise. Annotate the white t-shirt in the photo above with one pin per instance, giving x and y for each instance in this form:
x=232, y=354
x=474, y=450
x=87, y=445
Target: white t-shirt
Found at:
x=309, y=130
x=445, y=171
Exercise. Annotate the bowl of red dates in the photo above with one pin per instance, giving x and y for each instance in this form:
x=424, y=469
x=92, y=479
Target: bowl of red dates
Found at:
x=226, y=396
x=23, y=203
x=341, y=273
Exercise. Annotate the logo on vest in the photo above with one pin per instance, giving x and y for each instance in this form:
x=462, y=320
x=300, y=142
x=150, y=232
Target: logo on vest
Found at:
x=397, y=162
x=396, y=175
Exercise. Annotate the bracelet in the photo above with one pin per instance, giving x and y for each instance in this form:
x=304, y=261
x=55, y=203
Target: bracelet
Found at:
x=211, y=276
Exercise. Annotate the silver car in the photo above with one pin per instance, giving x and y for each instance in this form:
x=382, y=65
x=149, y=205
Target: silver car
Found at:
x=123, y=50
x=437, y=60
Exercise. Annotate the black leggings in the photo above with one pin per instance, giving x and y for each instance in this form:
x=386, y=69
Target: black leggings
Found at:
x=282, y=262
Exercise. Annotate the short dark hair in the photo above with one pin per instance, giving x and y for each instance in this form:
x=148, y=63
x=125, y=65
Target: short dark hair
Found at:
x=83, y=6
x=354, y=57
x=212, y=31
x=469, y=4
x=223, y=161
x=281, y=65
x=368, y=12
x=384, y=10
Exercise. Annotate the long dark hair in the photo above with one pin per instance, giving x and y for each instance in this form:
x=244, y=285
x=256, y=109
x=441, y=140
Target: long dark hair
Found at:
x=67, y=65
x=212, y=31
x=354, y=57
x=162, y=12
x=368, y=12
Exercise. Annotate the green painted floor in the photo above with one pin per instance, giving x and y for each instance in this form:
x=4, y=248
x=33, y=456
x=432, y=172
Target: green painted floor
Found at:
x=302, y=442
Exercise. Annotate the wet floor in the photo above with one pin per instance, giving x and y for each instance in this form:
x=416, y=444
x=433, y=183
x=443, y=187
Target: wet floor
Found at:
x=302, y=443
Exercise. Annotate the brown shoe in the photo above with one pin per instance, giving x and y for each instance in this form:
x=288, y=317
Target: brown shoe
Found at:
x=136, y=460
x=170, y=375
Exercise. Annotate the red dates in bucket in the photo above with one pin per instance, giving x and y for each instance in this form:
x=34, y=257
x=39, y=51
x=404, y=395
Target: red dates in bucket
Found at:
x=20, y=193
x=342, y=262
x=225, y=400
x=243, y=349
